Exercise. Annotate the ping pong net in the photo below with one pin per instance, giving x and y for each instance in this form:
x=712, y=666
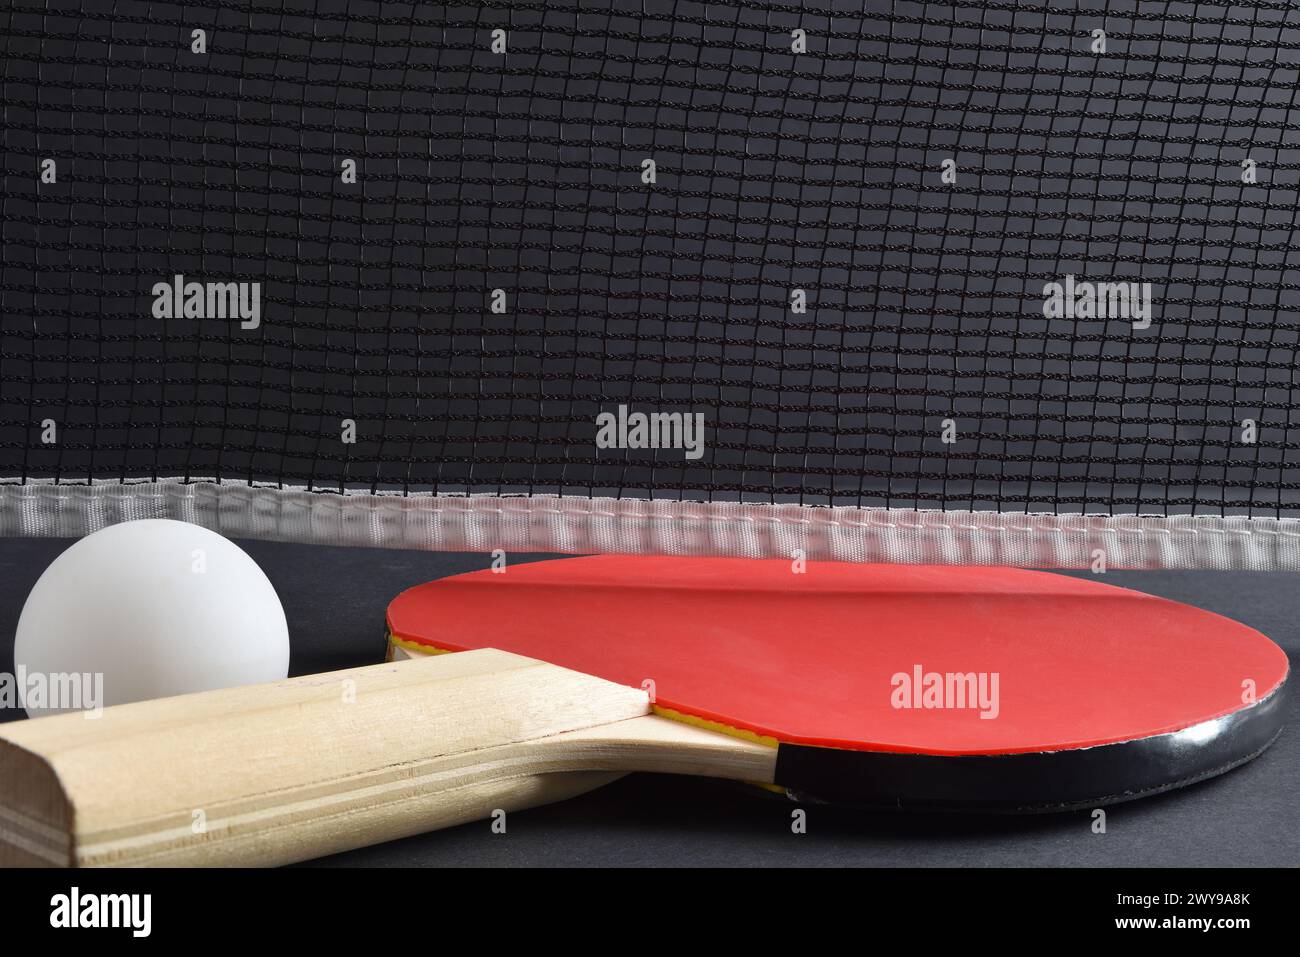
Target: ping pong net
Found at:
x=948, y=282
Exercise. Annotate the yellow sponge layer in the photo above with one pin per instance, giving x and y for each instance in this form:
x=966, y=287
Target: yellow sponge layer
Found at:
x=417, y=647
x=715, y=726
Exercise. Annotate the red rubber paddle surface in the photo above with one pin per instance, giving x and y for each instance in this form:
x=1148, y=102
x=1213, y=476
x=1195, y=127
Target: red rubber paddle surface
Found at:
x=810, y=658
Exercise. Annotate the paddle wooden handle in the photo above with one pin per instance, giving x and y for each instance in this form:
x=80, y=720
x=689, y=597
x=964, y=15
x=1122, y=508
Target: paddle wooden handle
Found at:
x=287, y=771
x=294, y=769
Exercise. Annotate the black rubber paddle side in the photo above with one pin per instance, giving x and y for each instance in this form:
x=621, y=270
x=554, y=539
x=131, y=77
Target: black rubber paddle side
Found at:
x=1037, y=782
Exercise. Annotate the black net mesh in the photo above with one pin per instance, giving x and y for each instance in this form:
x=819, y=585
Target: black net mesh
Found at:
x=775, y=171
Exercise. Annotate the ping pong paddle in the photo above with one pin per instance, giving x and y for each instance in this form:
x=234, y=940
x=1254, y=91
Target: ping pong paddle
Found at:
x=903, y=686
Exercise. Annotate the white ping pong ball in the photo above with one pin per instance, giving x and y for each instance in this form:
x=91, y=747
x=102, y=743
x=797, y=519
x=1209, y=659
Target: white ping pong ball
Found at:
x=157, y=608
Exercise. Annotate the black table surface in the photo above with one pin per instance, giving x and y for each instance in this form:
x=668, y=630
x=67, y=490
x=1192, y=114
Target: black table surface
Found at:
x=335, y=599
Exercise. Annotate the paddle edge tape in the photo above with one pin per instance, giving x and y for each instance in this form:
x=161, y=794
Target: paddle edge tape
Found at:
x=1039, y=782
